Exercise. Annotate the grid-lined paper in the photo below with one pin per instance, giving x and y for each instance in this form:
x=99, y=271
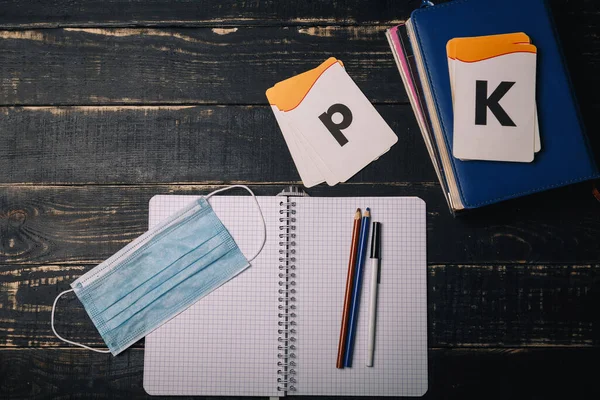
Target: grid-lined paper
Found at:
x=324, y=230
x=226, y=343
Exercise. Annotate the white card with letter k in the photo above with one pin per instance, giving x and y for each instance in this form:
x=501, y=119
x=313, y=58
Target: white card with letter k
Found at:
x=494, y=101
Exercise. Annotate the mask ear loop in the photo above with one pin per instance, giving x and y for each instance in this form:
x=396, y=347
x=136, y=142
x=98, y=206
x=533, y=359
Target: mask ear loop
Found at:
x=62, y=338
x=264, y=224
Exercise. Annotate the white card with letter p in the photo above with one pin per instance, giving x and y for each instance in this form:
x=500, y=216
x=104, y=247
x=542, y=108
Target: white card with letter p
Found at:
x=338, y=127
x=341, y=125
x=494, y=101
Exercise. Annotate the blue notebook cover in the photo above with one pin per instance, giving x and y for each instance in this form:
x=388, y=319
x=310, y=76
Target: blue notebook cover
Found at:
x=565, y=157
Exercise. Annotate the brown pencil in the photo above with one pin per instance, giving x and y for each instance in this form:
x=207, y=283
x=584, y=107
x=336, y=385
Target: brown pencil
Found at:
x=349, y=285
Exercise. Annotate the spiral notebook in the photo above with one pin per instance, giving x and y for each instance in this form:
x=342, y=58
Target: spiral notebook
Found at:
x=273, y=330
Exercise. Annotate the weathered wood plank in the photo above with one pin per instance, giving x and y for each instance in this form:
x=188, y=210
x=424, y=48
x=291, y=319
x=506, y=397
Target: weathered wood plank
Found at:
x=469, y=305
x=86, y=224
x=20, y=14
x=453, y=374
x=510, y=305
x=175, y=144
x=76, y=66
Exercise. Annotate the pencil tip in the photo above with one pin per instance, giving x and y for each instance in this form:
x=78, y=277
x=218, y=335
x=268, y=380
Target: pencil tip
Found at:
x=368, y=212
x=357, y=214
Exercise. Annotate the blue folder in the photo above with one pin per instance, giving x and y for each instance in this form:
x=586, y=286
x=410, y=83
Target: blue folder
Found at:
x=566, y=156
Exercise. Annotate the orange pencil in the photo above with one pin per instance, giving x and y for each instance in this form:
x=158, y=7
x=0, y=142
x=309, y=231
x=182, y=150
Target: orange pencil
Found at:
x=349, y=285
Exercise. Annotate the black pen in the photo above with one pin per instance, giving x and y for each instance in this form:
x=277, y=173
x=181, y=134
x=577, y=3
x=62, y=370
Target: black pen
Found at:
x=375, y=249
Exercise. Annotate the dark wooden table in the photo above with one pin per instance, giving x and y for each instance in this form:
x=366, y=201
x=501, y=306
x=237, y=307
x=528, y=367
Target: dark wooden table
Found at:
x=105, y=103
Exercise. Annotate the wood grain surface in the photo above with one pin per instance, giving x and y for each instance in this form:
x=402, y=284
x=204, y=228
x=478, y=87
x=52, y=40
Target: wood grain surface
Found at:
x=201, y=13
x=104, y=104
x=75, y=66
x=175, y=144
x=88, y=223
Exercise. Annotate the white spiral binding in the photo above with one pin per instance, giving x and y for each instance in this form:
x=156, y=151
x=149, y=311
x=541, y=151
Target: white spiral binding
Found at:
x=287, y=298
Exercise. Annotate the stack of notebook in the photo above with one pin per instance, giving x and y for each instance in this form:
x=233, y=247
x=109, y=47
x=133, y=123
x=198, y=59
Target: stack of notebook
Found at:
x=421, y=52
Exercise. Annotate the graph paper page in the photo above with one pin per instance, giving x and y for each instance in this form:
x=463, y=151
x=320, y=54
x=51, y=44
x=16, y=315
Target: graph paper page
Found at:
x=226, y=343
x=324, y=230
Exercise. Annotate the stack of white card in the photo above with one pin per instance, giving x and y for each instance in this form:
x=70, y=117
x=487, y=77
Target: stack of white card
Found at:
x=493, y=80
x=330, y=127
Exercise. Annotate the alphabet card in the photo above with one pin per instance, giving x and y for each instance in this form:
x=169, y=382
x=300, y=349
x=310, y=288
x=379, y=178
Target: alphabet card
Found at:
x=329, y=125
x=493, y=81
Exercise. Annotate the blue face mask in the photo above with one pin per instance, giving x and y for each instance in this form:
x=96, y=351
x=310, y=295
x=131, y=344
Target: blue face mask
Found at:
x=158, y=275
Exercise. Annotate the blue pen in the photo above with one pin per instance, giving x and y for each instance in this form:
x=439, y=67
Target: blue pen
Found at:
x=360, y=261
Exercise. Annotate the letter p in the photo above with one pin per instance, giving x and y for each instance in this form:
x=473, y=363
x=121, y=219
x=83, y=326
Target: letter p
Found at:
x=336, y=129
